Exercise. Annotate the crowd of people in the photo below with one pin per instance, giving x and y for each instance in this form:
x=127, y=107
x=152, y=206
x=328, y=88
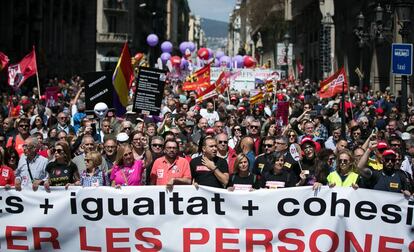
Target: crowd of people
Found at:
x=224, y=142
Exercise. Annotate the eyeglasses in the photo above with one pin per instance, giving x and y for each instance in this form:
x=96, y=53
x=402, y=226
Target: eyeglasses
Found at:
x=223, y=142
x=292, y=135
x=268, y=145
x=395, y=145
x=157, y=145
x=24, y=125
x=281, y=143
x=343, y=161
x=238, y=129
x=254, y=127
x=63, y=117
x=127, y=128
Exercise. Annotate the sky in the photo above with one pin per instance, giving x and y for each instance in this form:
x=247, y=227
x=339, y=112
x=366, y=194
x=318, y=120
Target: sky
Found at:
x=212, y=9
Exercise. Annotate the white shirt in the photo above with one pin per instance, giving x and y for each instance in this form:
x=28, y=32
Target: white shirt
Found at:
x=211, y=117
x=37, y=168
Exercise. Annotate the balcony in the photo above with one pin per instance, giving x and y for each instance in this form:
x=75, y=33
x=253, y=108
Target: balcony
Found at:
x=112, y=38
x=114, y=6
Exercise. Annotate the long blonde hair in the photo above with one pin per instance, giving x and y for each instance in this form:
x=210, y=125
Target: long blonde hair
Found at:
x=239, y=158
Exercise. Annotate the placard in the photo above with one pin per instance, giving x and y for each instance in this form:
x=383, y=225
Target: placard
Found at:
x=98, y=88
x=149, y=91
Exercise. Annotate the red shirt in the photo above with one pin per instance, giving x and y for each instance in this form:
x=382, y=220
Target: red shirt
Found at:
x=162, y=171
x=6, y=176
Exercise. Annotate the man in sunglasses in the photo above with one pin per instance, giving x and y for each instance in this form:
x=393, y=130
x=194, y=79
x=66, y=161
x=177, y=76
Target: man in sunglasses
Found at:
x=225, y=152
x=254, y=133
x=389, y=178
x=265, y=161
x=23, y=132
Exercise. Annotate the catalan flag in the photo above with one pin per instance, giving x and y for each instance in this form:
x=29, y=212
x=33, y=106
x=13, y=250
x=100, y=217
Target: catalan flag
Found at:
x=122, y=79
x=256, y=96
x=334, y=84
x=270, y=87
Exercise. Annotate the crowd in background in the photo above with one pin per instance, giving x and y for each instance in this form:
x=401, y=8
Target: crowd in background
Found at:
x=224, y=142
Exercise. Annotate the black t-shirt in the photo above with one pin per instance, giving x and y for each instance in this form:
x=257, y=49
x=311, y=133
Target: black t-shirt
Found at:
x=284, y=176
x=263, y=163
x=391, y=183
x=204, y=176
x=61, y=174
x=235, y=179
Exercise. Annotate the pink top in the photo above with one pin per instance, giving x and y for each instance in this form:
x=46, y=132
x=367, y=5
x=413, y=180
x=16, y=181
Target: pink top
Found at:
x=132, y=174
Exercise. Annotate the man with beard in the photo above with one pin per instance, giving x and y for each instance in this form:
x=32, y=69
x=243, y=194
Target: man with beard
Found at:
x=389, y=179
x=264, y=162
x=210, y=114
x=170, y=169
x=209, y=169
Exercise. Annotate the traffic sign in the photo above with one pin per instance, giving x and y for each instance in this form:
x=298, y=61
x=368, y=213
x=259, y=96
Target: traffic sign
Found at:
x=402, y=58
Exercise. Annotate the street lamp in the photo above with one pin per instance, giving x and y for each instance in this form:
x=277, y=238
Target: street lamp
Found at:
x=403, y=9
x=286, y=41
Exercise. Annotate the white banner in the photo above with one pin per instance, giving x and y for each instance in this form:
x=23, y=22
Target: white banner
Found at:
x=149, y=218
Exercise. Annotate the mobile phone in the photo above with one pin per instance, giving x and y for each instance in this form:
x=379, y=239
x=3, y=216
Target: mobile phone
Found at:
x=93, y=126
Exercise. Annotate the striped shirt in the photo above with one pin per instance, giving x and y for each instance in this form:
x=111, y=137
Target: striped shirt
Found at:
x=98, y=178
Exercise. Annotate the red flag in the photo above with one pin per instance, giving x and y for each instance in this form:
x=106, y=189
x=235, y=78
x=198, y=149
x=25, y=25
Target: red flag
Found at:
x=223, y=82
x=210, y=92
x=4, y=61
x=201, y=78
x=20, y=72
x=333, y=85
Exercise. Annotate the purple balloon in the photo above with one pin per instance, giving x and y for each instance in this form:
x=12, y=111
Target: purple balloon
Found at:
x=183, y=46
x=166, y=47
x=152, y=40
x=219, y=54
x=210, y=53
x=225, y=61
x=184, y=64
x=238, y=59
x=165, y=56
x=191, y=46
x=216, y=62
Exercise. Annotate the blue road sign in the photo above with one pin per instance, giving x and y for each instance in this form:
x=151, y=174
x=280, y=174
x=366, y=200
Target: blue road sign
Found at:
x=402, y=59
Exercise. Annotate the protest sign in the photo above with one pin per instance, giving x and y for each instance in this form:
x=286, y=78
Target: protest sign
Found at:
x=98, y=88
x=149, y=218
x=149, y=91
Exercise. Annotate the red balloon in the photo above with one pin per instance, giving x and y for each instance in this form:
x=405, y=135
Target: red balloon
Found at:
x=175, y=60
x=249, y=62
x=43, y=97
x=203, y=53
x=138, y=56
x=301, y=97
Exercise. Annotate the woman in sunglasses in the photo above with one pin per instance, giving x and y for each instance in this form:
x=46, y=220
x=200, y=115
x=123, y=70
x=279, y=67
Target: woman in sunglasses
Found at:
x=127, y=171
x=61, y=170
x=344, y=175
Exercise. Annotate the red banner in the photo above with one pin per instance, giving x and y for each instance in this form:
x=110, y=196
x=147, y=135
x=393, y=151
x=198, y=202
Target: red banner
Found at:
x=4, y=61
x=333, y=85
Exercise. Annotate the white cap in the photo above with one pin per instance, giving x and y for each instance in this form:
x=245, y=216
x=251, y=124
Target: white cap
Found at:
x=405, y=136
x=122, y=137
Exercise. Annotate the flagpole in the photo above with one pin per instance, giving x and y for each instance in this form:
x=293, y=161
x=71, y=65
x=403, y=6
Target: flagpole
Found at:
x=349, y=99
x=37, y=74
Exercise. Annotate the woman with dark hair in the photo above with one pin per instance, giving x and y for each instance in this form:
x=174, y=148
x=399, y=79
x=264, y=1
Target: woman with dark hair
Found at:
x=270, y=129
x=38, y=126
x=236, y=134
x=11, y=158
x=62, y=171
x=242, y=178
x=278, y=177
x=292, y=136
x=7, y=176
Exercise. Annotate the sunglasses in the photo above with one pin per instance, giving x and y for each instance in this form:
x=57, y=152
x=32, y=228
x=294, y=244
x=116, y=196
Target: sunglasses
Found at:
x=254, y=127
x=292, y=135
x=223, y=142
x=268, y=145
x=343, y=161
x=386, y=160
x=157, y=145
x=58, y=151
x=24, y=125
x=237, y=129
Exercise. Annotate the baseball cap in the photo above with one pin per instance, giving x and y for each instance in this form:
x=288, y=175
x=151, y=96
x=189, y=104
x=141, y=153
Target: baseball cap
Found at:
x=382, y=145
x=307, y=139
x=210, y=131
x=122, y=137
x=233, y=98
x=241, y=109
x=379, y=111
x=410, y=128
x=388, y=153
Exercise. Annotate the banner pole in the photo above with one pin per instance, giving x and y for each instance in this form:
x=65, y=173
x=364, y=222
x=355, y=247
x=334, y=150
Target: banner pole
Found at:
x=343, y=133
